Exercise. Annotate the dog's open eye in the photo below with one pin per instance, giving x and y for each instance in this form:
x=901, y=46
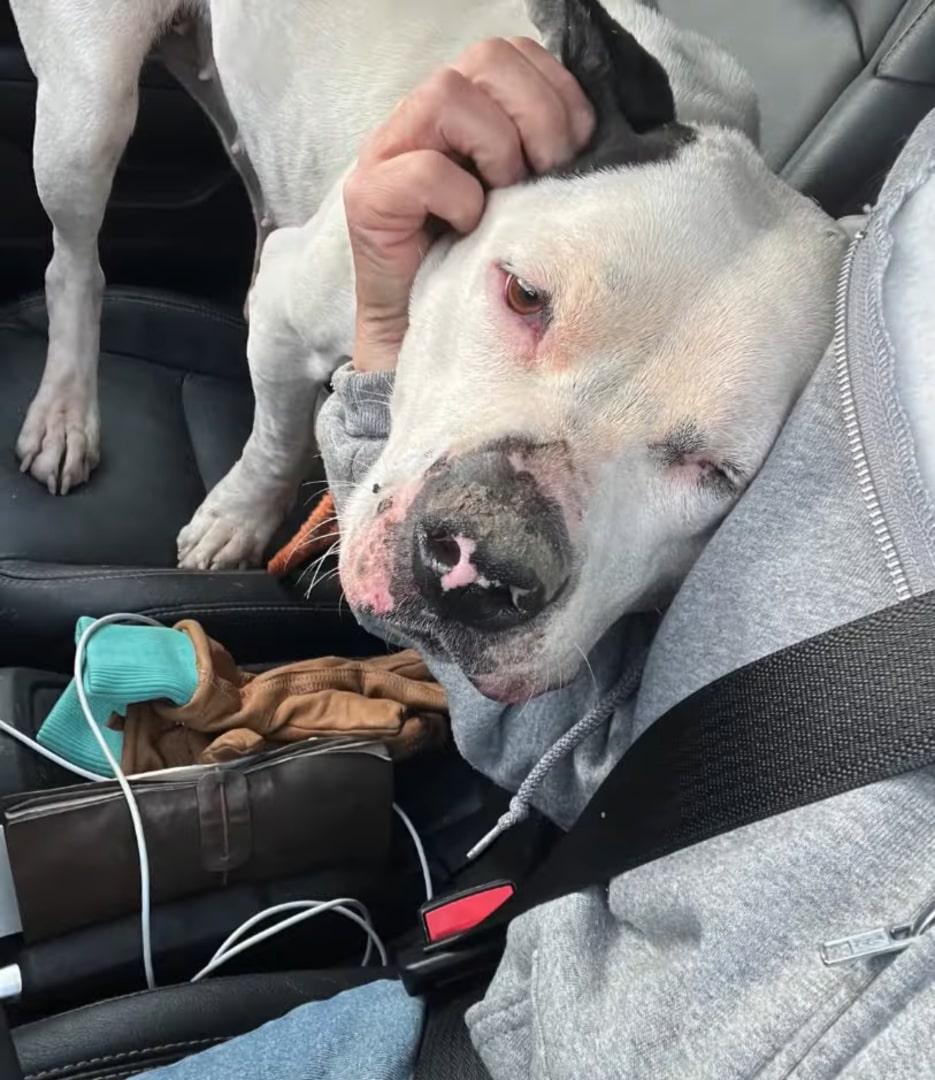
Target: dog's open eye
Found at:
x=523, y=298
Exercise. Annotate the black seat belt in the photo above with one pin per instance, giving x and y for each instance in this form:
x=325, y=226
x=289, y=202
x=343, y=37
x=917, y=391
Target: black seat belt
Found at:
x=847, y=708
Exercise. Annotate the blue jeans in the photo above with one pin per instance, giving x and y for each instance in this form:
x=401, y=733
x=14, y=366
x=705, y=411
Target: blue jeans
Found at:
x=370, y=1032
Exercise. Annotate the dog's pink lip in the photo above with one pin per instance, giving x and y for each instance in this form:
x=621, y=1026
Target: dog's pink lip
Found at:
x=507, y=691
x=367, y=564
x=376, y=599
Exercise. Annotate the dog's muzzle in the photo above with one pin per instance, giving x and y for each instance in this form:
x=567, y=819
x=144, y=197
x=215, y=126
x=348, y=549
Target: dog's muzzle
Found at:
x=490, y=551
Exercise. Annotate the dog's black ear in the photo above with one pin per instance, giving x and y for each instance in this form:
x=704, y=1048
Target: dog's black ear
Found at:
x=628, y=87
x=621, y=79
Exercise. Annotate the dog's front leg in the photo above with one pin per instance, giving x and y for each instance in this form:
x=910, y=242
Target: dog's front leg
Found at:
x=240, y=514
x=301, y=312
x=87, y=60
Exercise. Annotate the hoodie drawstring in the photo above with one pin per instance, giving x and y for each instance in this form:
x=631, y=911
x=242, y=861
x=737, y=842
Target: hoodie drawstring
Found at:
x=595, y=717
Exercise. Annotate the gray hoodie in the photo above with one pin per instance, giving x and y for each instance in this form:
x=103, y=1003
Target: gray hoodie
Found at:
x=706, y=964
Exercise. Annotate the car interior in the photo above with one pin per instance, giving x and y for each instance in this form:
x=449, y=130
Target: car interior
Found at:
x=842, y=84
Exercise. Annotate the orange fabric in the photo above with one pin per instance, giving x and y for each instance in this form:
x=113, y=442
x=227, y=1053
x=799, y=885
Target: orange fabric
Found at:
x=232, y=713
x=318, y=532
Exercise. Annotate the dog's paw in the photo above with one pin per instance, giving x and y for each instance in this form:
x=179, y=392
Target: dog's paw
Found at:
x=228, y=531
x=60, y=441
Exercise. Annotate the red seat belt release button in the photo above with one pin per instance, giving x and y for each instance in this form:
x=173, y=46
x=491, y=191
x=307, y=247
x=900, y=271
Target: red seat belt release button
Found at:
x=451, y=915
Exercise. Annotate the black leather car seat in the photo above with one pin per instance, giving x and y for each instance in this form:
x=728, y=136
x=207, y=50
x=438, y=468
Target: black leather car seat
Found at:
x=128, y=1035
x=841, y=84
x=176, y=410
x=125, y=1036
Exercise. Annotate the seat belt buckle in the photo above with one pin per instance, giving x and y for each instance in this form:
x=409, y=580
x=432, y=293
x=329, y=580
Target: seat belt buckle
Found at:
x=448, y=916
x=452, y=952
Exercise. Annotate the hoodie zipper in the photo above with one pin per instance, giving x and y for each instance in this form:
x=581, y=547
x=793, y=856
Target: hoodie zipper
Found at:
x=880, y=940
x=855, y=441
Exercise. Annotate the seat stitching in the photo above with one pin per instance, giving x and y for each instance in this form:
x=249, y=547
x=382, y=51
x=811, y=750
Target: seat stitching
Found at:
x=124, y=1055
x=48, y=582
x=295, y=607
x=157, y=302
x=245, y=609
x=218, y=607
x=289, y=978
x=105, y=575
x=899, y=44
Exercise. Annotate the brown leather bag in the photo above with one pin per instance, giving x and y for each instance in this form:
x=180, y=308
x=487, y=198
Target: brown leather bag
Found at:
x=320, y=803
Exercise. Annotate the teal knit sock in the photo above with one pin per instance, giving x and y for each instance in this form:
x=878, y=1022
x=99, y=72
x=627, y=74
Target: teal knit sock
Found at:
x=123, y=664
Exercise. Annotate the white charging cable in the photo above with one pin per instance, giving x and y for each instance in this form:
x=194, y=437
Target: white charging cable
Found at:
x=145, y=895
x=15, y=733
x=232, y=946
x=420, y=850
x=307, y=909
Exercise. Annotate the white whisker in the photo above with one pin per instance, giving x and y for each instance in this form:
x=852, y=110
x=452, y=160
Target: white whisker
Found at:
x=320, y=566
x=587, y=664
x=316, y=564
x=333, y=573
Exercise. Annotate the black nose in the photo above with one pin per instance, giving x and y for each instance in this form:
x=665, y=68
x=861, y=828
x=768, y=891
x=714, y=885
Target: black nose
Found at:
x=466, y=585
x=490, y=550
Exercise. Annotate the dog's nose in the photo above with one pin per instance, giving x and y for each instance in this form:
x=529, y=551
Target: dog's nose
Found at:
x=485, y=590
x=490, y=550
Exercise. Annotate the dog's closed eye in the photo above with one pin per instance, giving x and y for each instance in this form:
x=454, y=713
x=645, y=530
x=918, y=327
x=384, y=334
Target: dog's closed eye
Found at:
x=686, y=455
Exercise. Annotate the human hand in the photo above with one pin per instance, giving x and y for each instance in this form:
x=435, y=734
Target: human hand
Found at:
x=505, y=108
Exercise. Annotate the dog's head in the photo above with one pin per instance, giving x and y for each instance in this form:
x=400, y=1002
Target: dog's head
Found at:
x=589, y=382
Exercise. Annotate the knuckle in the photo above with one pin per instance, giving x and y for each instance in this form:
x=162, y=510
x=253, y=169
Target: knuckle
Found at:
x=489, y=53
x=354, y=194
x=426, y=170
x=547, y=126
x=444, y=84
x=524, y=43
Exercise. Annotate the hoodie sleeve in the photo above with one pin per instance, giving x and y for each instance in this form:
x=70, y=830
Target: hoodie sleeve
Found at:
x=353, y=426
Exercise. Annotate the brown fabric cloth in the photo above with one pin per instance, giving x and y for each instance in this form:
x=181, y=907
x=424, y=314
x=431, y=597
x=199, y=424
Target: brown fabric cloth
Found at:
x=316, y=537
x=232, y=713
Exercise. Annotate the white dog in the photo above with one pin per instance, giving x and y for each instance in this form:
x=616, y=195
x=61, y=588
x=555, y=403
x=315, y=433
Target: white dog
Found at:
x=701, y=288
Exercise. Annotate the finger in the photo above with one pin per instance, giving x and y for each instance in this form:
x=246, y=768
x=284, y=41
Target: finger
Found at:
x=579, y=108
x=528, y=97
x=387, y=207
x=452, y=116
x=389, y=202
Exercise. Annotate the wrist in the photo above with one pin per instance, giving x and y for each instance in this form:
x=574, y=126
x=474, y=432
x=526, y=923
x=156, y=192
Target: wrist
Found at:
x=369, y=360
x=377, y=340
